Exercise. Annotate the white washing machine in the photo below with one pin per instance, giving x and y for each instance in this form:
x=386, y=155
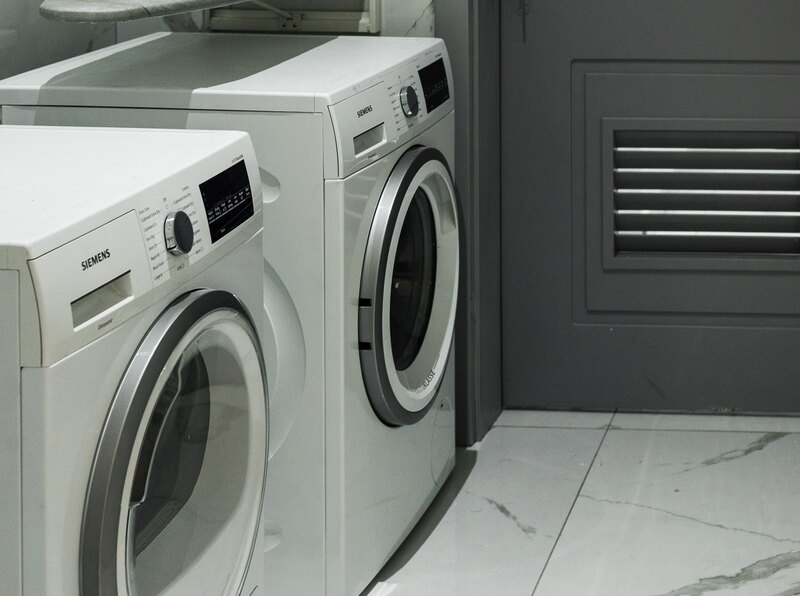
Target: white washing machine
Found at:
x=133, y=435
x=360, y=271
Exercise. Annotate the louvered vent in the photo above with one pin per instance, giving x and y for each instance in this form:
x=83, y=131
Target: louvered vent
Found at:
x=707, y=192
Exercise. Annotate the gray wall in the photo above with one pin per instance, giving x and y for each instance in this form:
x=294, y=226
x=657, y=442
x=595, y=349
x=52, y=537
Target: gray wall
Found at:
x=471, y=31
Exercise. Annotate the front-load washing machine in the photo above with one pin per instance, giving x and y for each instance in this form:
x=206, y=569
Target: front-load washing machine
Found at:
x=360, y=267
x=133, y=434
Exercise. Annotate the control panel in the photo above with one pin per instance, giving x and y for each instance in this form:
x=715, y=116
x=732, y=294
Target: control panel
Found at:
x=159, y=219
x=417, y=90
x=410, y=98
x=171, y=222
x=98, y=280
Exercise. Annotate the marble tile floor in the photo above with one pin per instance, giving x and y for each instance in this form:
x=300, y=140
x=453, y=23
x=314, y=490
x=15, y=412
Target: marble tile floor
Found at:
x=589, y=504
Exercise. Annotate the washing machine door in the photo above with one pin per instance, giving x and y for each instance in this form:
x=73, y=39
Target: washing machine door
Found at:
x=409, y=285
x=177, y=482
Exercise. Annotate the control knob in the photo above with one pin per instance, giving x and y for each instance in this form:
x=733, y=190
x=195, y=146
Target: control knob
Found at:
x=178, y=233
x=409, y=101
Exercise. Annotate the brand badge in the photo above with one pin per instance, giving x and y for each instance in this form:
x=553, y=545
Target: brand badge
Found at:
x=95, y=259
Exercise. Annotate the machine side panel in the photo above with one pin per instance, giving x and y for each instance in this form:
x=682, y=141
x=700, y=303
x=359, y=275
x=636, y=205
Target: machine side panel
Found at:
x=330, y=153
x=30, y=339
x=10, y=489
x=289, y=151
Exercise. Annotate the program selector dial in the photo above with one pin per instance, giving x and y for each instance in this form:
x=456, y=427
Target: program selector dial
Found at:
x=178, y=233
x=409, y=101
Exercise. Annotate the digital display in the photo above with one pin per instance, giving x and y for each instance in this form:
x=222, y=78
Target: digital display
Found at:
x=227, y=199
x=434, y=84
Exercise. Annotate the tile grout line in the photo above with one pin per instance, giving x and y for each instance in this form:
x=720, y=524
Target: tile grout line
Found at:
x=543, y=427
x=759, y=431
x=574, y=501
x=665, y=429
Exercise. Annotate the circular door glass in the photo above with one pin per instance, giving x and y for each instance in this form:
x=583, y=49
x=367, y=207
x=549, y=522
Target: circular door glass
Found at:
x=189, y=505
x=177, y=484
x=413, y=282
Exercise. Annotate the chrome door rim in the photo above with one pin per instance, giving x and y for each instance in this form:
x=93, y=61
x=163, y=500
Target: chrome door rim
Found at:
x=404, y=397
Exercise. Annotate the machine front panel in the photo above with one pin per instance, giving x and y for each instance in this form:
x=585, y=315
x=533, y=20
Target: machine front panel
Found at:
x=90, y=285
x=409, y=99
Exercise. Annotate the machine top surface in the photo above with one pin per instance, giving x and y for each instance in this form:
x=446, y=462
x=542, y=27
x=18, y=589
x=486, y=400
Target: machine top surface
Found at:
x=219, y=71
x=55, y=179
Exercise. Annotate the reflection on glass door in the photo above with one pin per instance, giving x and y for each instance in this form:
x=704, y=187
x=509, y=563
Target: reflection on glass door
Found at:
x=195, y=426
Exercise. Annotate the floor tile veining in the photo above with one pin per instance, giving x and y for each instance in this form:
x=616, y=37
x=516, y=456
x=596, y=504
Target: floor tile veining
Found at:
x=482, y=536
x=568, y=503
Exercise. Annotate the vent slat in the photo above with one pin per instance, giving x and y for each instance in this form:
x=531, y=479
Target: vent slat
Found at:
x=795, y=193
x=709, y=221
x=708, y=158
x=673, y=178
x=654, y=242
x=699, y=150
x=730, y=139
x=707, y=191
x=643, y=198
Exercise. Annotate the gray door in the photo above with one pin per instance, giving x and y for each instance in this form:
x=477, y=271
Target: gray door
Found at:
x=176, y=488
x=651, y=204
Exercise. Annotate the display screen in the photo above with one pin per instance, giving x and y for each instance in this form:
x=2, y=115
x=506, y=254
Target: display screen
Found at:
x=227, y=199
x=434, y=84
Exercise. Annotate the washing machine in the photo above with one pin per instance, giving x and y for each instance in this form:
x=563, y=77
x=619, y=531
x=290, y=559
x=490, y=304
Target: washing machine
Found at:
x=355, y=135
x=134, y=427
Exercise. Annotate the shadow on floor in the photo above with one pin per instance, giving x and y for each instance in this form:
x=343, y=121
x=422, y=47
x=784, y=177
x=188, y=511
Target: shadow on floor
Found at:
x=465, y=462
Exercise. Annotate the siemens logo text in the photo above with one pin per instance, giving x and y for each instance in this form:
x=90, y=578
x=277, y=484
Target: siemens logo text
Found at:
x=363, y=111
x=94, y=260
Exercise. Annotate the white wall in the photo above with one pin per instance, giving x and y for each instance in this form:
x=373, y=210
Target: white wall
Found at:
x=408, y=18
x=28, y=40
x=403, y=18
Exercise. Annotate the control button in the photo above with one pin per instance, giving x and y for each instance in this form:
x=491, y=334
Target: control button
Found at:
x=409, y=101
x=178, y=233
